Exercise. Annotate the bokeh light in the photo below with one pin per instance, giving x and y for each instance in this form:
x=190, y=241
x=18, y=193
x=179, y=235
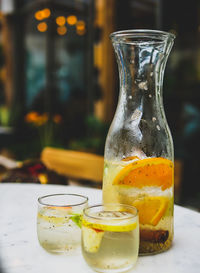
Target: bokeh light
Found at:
x=80, y=32
x=46, y=13
x=42, y=27
x=42, y=14
x=62, y=30
x=60, y=20
x=71, y=20
x=80, y=25
x=38, y=15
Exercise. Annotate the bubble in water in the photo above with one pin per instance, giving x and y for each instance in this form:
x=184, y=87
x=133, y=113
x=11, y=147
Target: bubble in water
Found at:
x=130, y=97
x=158, y=127
x=150, y=96
x=143, y=85
x=153, y=119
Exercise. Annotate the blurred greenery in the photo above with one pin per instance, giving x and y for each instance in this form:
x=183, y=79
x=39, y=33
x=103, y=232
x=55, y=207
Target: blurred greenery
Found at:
x=94, y=140
x=27, y=141
x=4, y=116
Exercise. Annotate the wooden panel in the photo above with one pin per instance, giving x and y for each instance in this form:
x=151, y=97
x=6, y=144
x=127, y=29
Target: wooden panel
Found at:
x=104, y=58
x=74, y=164
x=178, y=168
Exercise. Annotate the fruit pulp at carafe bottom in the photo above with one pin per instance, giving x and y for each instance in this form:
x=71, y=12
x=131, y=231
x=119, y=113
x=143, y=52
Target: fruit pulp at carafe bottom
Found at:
x=154, y=204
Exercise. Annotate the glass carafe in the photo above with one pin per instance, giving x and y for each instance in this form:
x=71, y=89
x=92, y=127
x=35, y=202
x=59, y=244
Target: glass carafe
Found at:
x=139, y=157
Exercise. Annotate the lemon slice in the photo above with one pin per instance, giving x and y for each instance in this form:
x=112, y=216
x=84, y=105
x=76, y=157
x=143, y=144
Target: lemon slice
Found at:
x=93, y=233
x=55, y=215
x=110, y=227
x=54, y=219
x=151, y=209
x=91, y=239
x=156, y=171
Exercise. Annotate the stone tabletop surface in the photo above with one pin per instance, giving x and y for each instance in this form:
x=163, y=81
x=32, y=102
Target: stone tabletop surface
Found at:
x=20, y=251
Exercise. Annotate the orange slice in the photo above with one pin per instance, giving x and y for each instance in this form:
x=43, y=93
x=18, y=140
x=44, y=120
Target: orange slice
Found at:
x=155, y=171
x=130, y=158
x=151, y=209
x=60, y=208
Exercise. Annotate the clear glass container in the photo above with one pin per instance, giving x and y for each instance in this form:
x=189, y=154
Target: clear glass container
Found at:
x=59, y=222
x=139, y=157
x=110, y=237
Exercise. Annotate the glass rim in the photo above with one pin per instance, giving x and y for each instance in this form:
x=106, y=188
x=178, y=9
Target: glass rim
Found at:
x=62, y=194
x=113, y=218
x=156, y=35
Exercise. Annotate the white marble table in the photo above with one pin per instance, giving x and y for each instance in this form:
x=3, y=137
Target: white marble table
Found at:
x=20, y=251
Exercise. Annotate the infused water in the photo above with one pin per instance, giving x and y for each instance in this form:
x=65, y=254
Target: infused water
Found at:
x=58, y=229
x=148, y=185
x=110, y=244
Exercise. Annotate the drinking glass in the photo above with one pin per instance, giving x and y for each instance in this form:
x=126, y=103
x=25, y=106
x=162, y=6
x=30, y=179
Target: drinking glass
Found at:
x=110, y=237
x=59, y=222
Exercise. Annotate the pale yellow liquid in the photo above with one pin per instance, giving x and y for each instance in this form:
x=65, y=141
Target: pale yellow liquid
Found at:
x=57, y=233
x=127, y=195
x=117, y=252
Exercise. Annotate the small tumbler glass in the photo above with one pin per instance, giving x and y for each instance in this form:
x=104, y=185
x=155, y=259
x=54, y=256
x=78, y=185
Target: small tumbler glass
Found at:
x=110, y=237
x=59, y=222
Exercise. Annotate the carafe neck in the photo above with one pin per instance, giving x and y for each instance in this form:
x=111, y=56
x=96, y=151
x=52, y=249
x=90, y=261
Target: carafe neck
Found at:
x=141, y=57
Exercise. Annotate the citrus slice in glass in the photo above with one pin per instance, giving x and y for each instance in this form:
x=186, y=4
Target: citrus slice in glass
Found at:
x=92, y=232
x=110, y=227
x=91, y=239
x=129, y=158
x=59, y=216
x=151, y=209
x=156, y=171
x=52, y=219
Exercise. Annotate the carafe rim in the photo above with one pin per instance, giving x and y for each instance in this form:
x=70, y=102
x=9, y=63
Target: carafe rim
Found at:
x=139, y=36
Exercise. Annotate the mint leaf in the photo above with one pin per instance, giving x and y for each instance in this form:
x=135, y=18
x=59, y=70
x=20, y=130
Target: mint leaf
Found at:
x=76, y=219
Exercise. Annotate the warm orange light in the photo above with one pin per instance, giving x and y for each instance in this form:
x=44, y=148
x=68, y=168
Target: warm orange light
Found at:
x=81, y=32
x=57, y=118
x=39, y=15
x=1, y=15
x=60, y=20
x=71, y=20
x=62, y=30
x=42, y=27
x=46, y=13
x=42, y=14
x=80, y=25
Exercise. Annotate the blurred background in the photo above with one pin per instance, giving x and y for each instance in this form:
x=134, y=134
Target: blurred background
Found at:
x=59, y=79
